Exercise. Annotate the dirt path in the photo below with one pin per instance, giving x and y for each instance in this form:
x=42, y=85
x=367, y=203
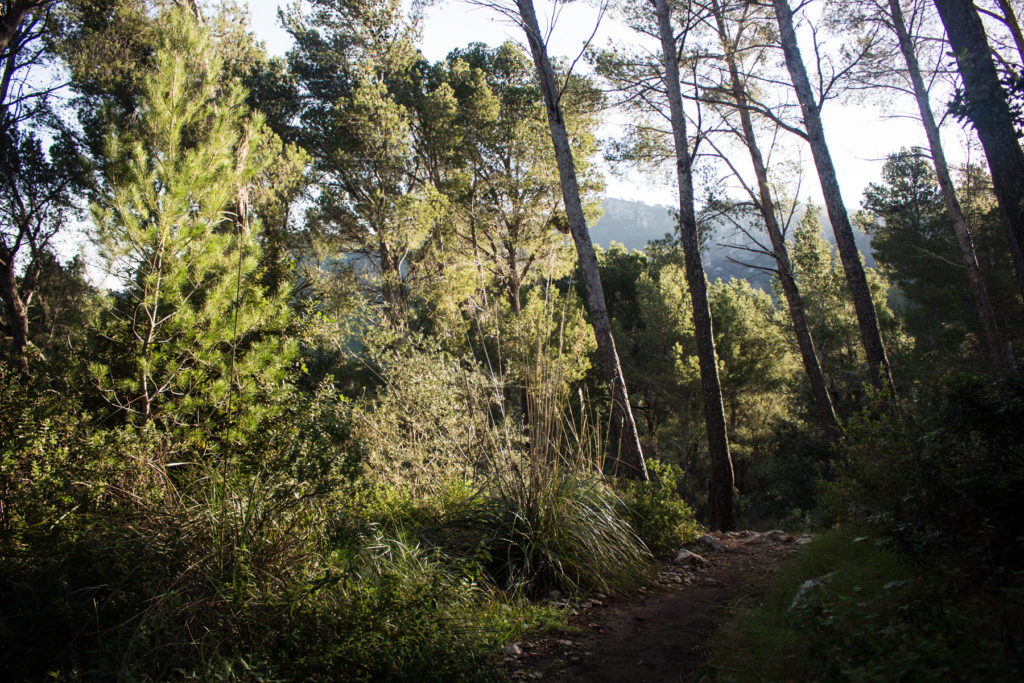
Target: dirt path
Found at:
x=659, y=635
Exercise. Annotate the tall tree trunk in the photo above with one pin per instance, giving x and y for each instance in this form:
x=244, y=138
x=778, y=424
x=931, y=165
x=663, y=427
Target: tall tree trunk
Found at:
x=722, y=476
x=819, y=388
x=627, y=455
x=856, y=280
x=1000, y=355
x=988, y=110
x=15, y=310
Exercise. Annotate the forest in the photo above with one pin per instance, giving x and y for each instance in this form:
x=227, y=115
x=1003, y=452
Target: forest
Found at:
x=312, y=371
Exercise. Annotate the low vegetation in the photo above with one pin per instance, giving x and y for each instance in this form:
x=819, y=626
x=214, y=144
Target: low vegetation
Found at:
x=329, y=393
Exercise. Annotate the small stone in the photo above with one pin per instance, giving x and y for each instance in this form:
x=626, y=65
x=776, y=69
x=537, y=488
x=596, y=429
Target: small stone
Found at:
x=593, y=625
x=514, y=649
x=574, y=658
x=565, y=643
x=597, y=603
x=711, y=543
x=685, y=557
x=587, y=605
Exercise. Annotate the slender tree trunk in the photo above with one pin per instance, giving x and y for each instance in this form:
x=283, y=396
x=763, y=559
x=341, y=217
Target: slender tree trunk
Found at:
x=856, y=280
x=392, y=290
x=1000, y=355
x=15, y=310
x=1010, y=18
x=722, y=476
x=625, y=442
x=819, y=387
x=988, y=110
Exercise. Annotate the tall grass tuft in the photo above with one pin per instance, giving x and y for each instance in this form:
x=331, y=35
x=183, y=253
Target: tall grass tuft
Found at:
x=545, y=518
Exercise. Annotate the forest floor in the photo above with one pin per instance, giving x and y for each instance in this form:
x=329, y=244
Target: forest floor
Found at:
x=661, y=633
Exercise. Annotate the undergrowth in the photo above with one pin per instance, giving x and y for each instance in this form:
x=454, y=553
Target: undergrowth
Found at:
x=128, y=555
x=870, y=616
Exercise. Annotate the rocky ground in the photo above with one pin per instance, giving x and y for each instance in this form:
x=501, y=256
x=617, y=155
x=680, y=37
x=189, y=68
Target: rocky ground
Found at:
x=660, y=634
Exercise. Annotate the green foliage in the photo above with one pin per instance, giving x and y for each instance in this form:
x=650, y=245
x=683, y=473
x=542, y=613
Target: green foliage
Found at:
x=431, y=418
x=923, y=625
x=192, y=329
x=946, y=476
x=915, y=247
x=120, y=564
x=831, y=316
x=662, y=520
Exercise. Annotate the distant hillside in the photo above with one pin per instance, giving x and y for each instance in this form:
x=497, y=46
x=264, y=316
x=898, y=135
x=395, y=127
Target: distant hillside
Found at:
x=634, y=224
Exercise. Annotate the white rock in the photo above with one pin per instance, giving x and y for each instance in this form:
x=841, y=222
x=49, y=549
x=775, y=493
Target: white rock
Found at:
x=685, y=557
x=807, y=586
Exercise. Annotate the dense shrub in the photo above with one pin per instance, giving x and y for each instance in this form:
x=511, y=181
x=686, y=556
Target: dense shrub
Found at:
x=926, y=623
x=948, y=476
x=656, y=512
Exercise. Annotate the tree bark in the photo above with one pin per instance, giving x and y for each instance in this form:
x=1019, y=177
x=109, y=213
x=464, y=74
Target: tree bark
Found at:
x=856, y=280
x=1000, y=354
x=13, y=17
x=990, y=113
x=808, y=354
x=720, y=487
x=627, y=456
x=15, y=310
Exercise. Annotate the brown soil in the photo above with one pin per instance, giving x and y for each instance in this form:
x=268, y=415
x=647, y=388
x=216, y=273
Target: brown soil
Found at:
x=659, y=635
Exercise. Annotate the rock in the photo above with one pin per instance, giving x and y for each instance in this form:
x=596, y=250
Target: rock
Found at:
x=689, y=559
x=514, y=649
x=780, y=536
x=711, y=543
x=807, y=586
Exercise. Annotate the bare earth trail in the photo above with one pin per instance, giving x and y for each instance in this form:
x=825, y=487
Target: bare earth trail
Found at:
x=660, y=634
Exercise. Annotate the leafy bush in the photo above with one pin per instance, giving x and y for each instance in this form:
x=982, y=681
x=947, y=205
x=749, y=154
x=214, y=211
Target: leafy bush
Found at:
x=656, y=512
x=924, y=625
x=947, y=477
x=118, y=563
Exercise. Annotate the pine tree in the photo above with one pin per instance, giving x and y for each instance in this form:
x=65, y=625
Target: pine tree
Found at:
x=191, y=332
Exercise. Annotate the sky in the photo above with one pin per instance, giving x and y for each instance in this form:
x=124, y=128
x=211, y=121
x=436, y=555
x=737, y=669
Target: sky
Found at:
x=859, y=136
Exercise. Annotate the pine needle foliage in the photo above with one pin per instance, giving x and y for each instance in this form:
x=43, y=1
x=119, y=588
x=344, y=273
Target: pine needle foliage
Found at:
x=192, y=329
